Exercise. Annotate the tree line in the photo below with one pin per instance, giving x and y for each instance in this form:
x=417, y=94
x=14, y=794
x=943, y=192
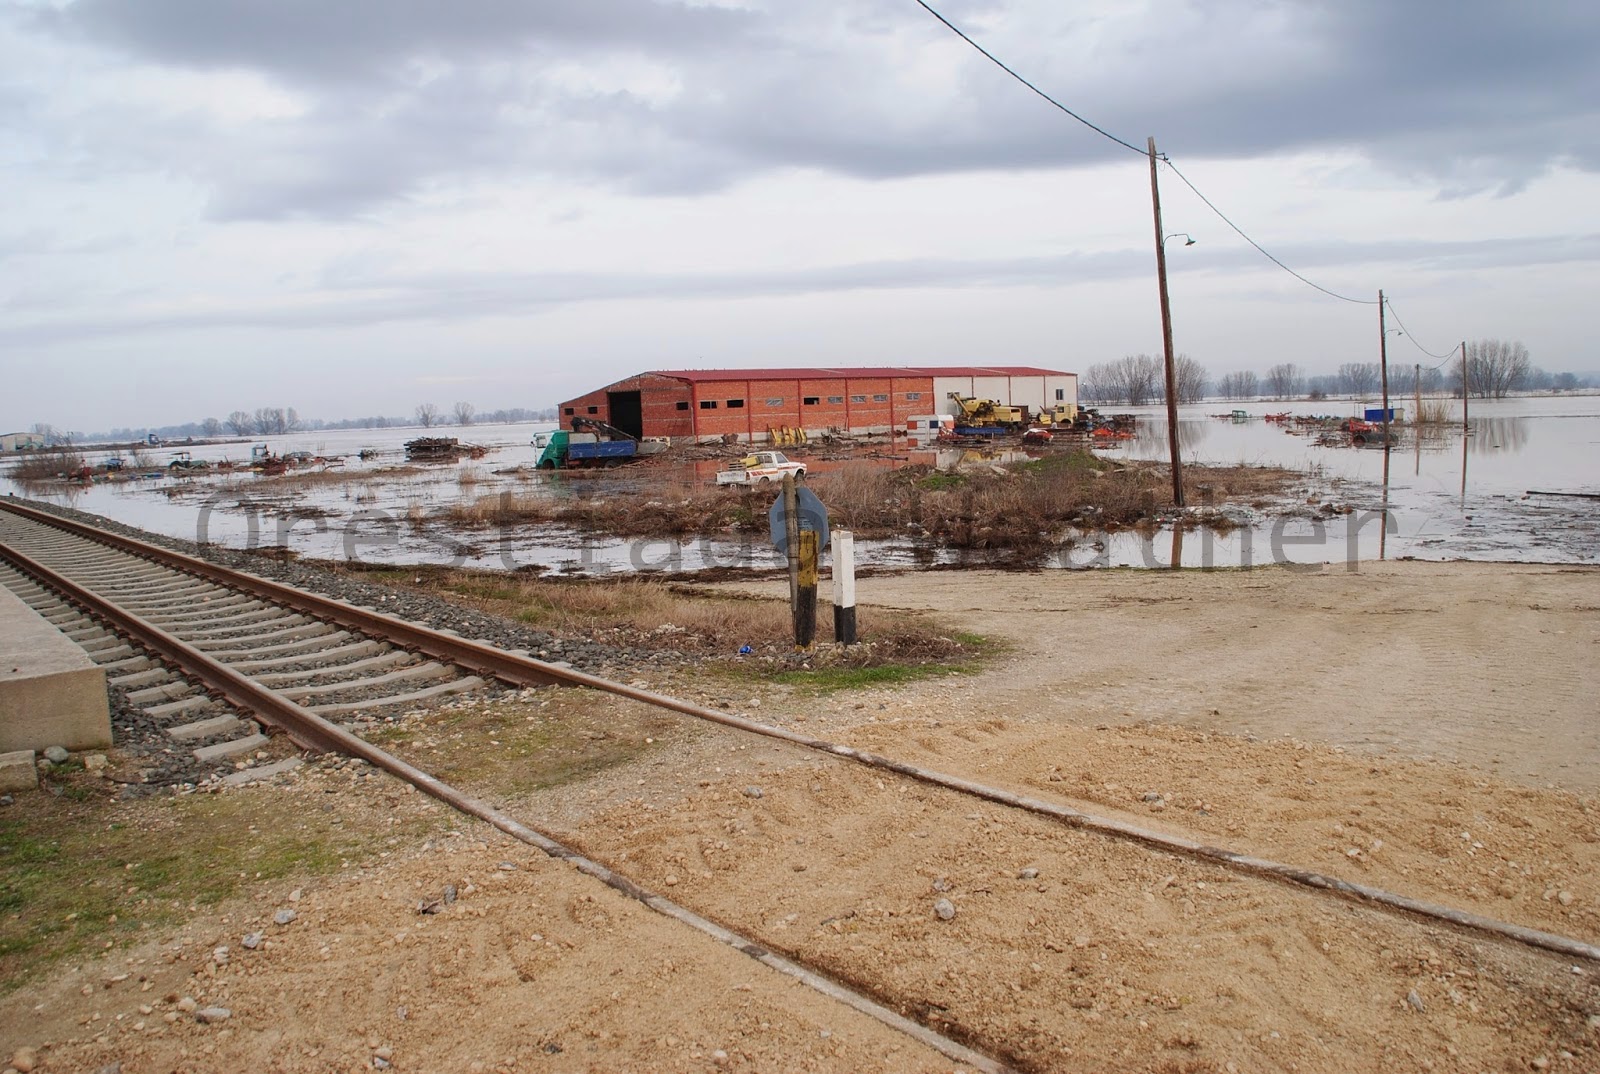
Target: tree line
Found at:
x=1495, y=368
x=278, y=421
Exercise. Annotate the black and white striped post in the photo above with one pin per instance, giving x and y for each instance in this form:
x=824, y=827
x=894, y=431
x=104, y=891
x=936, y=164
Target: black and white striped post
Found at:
x=844, y=587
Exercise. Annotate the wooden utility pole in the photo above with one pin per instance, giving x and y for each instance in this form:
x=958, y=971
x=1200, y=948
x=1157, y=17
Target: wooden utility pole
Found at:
x=1416, y=415
x=801, y=548
x=1166, y=336
x=791, y=548
x=1383, y=366
x=1466, y=389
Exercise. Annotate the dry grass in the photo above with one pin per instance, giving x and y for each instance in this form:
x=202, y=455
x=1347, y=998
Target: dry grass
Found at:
x=663, y=615
x=48, y=465
x=1027, y=506
x=1020, y=507
x=1438, y=412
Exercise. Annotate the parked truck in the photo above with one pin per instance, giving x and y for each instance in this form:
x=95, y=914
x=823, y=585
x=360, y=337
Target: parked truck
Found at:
x=760, y=468
x=562, y=448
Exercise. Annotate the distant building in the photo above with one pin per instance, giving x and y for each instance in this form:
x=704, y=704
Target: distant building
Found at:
x=747, y=403
x=20, y=441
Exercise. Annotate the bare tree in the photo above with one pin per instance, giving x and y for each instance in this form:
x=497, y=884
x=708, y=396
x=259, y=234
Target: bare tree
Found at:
x=1094, y=386
x=240, y=423
x=427, y=415
x=1497, y=367
x=271, y=421
x=1192, y=379
x=211, y=427
x=291, y=421
x=1285, y=380
x=464, y=413
x=1241, y=385
x=1359, y=378
x=1134, y=379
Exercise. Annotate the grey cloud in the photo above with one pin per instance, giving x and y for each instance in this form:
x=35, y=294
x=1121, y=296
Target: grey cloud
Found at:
x=1479, y=95
x=360, y=294
x=355, y=39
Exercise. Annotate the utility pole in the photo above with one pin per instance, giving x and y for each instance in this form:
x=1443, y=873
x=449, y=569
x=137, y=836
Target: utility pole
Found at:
x=1465, y=391
x=1383, y=365
x=1416, y=415
x=1166, y=336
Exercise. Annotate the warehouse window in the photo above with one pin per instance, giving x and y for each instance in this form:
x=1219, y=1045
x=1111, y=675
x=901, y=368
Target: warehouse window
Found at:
x=735, y=404
x=1061, y=395
x=858, y=399
x=836, y=399
x=811, y=400
x=594, y=410
x=774, y=402
x=880, y=398
x=682, y=405
x=708, y=404
x=913, y=396
x=569, y=411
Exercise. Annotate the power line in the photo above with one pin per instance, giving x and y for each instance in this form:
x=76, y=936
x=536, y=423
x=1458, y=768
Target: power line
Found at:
x=992, y=58
x=1443, y=358
x=996, y=61
x=1223, y=217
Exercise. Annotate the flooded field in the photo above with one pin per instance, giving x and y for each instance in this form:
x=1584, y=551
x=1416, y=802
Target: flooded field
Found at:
x=1448, y=495
x=1441, y=495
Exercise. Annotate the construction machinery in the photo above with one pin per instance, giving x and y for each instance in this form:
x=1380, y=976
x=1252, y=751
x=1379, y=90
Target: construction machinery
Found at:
x=987, y=413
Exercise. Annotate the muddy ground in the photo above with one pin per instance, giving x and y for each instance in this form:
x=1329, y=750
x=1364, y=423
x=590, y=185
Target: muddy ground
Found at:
x=1426, y=728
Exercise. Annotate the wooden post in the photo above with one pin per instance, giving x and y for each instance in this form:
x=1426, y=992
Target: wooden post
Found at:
x=844, y=587
x=1466, y=390
x=805, y=607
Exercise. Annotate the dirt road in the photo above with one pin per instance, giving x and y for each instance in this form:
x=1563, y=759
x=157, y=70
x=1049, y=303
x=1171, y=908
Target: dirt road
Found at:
x=1428, y=729
x=1490, y=664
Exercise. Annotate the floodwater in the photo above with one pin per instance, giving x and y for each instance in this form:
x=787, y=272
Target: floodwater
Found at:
x=1482, y=495
x=1446, y=496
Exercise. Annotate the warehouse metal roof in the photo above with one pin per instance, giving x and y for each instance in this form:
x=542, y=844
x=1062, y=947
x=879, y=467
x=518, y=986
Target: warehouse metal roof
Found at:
x=860, y=372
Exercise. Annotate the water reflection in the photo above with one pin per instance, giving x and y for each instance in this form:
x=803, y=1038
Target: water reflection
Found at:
x=1500, y=434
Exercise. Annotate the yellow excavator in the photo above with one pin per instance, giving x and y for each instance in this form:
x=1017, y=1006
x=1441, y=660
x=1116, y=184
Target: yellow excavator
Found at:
x=987, y=412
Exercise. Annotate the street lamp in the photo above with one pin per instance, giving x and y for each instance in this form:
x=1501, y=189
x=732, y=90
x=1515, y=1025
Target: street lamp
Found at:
x=1185, y=234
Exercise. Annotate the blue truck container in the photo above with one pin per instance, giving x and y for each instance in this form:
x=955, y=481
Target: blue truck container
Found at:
x=603, y=453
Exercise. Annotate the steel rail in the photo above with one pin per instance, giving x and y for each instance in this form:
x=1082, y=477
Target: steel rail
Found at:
x=314, y=732
x=521, y=670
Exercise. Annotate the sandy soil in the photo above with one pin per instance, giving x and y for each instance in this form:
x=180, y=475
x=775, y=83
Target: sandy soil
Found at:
x=1424, y=728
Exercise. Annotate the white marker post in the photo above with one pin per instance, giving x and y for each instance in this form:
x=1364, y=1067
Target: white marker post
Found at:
x=844, y=587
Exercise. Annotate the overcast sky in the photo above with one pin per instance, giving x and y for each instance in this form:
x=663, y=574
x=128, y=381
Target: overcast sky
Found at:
x=355, y=206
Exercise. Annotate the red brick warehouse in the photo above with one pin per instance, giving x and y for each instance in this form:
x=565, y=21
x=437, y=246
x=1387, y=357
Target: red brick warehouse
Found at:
x=711, y=403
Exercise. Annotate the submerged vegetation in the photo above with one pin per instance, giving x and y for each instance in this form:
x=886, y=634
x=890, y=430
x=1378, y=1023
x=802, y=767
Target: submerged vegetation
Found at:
x=1025, y=506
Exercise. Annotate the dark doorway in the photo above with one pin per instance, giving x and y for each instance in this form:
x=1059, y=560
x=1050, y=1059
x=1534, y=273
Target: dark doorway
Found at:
x=627, y=412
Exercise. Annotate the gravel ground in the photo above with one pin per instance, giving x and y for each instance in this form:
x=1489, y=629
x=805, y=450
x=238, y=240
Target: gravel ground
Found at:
x=428, y=610
x=151, y=761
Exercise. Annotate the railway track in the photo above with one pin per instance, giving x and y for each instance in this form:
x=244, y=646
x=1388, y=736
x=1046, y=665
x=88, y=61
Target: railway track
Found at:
x=227, y=658
x=335, y=671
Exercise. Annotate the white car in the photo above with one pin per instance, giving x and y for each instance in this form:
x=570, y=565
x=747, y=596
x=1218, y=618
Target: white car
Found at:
x=760, y=468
